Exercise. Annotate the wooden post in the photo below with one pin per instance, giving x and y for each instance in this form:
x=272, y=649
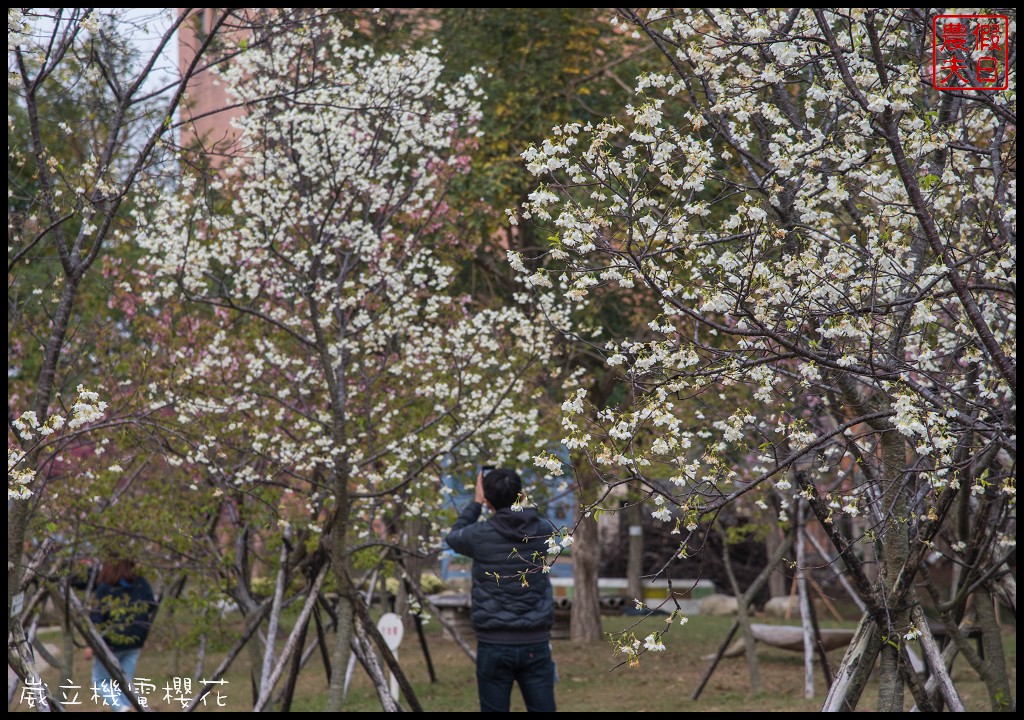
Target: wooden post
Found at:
x=852, y=674
x=820, y=592
x=792, y=594
x=938, y=664
x=452, y=630
x=352, y=655
x=293, y=673
x=805, y=603
x=371, y=634
x=275, y=616
x=423, y=644
x=362, y=646
x=716, y=660
x=751, y=592
x=634, y=515
x=833, y=563
x=743, y=618
x=822, y=653
x=292, y=644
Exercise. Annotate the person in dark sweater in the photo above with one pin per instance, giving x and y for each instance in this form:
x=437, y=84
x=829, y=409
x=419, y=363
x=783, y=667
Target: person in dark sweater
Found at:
x=123, y=613
x=512, y=605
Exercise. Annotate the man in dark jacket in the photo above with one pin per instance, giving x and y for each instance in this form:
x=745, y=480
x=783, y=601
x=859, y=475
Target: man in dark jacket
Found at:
x=512, y=603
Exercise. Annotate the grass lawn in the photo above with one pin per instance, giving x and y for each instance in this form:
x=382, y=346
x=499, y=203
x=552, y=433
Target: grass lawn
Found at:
x=592, y=677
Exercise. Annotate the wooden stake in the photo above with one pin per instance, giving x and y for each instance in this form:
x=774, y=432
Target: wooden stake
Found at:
x=716, y=660
x=805, y=605
x=789, y=603
x=824, y=598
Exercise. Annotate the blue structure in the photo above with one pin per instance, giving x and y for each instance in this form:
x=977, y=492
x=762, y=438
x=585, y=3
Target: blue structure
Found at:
x=558, y=507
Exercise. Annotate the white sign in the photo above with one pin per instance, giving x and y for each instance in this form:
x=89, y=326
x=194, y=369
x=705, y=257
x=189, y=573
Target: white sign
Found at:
x=391, y=628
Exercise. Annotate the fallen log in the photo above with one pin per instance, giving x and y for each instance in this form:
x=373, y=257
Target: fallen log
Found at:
x=788, y=637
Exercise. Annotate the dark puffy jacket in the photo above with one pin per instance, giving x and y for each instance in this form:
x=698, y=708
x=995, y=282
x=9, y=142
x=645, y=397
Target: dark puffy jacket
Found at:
x=124, y=613
x=512, y=602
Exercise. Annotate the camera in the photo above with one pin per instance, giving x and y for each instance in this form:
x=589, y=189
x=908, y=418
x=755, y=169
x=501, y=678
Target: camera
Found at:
x=484, y=469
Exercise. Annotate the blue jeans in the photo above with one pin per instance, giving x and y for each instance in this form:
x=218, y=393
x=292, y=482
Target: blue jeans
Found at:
x=498, y=666
x=117, y=701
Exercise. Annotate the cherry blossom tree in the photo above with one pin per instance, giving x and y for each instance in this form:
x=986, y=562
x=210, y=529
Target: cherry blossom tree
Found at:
x=84, y=126
x=570, y=65
x=92, y=119
x=831, y=243
x=340, y=370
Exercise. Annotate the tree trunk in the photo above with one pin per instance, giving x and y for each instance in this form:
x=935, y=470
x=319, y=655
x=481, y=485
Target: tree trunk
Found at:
x=635, y=555
x=17, y=522
x=777, y=580
x=996, y=680
x=871, y=562
x=895, y=551
x=1005, y=588
x=337, y=545
x=890, y=685
x=339, y=656
x=585, y=612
